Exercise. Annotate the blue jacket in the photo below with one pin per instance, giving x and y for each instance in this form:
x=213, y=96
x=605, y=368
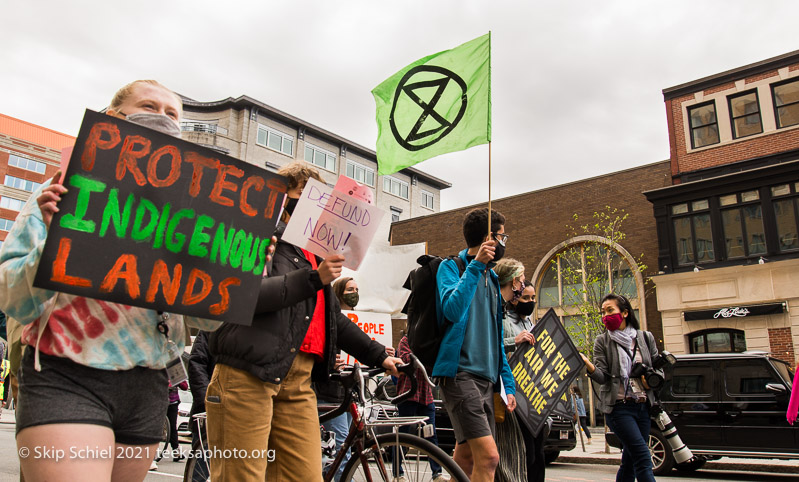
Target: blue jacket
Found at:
x=455, y=295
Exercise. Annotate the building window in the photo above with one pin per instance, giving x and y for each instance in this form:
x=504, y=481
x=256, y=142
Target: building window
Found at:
x=745, y=114
x=362, y=174
x=704, y=125
x=275, y=140
x=396, y=187
x=692, y=232
x=320, y=157
x=786, y=216
x=23, y=184
x=717, y=341
x=11, y=203
x=395, y=214
x=427, y=199
x=5, y=224
x=28, y=164
x=786, y=103
x=743, y=225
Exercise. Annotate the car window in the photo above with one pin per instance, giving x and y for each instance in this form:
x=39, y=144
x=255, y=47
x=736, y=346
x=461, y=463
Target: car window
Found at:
x=784, y=370
x=693, y=379
x=748, y=377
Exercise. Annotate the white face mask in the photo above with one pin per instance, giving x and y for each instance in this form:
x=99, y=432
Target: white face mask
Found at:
x=157, y=122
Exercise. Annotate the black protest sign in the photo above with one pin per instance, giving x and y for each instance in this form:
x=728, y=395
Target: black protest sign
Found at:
x=156, y=222
x=544, y=371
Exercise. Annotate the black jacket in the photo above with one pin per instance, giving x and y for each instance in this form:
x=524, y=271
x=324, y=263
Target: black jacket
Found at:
x=201, y=367
x=282, y=315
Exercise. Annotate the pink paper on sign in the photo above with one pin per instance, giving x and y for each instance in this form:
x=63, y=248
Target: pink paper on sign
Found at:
x=326, y=221
x=359, y=191
x=66, y=154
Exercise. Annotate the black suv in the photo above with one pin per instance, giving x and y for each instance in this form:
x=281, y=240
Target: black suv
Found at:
x=725, y=405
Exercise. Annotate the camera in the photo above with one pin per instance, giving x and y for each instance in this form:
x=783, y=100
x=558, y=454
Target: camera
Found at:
x=652, y=377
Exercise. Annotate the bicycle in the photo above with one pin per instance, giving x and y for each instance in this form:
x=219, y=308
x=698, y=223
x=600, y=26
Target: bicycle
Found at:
x=375, y=456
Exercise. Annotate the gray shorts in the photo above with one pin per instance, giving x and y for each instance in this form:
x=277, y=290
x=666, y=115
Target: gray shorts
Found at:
x=469, y=400
x=132, y=402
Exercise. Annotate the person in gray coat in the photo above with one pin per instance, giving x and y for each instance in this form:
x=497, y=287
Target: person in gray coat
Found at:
x=624, y=397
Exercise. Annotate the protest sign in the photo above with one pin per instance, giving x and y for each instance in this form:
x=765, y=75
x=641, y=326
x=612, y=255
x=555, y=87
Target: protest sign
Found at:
x=160, y=223
x=543, y=372
x=359, y=191
x=376, y=325
x=326, y=221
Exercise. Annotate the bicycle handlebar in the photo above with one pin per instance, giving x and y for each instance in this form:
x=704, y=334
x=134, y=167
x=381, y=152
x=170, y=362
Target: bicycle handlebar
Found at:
x=352, y=374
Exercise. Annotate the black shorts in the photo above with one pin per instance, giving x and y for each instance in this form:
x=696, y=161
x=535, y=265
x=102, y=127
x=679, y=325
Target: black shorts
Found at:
x=132, y=402
x=469, y=400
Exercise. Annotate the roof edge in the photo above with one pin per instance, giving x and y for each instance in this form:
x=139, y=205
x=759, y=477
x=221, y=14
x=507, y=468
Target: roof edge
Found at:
x=730, y=75
x=244, y=101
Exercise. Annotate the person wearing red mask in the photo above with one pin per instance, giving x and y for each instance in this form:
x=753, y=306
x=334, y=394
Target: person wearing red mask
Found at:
x=623, y=397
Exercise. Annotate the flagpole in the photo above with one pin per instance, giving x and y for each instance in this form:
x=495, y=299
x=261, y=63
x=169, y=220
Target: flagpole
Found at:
x=489, y=191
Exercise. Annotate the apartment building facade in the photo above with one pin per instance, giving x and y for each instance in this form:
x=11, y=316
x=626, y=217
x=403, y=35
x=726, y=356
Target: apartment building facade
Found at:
x=29, y=155
x=252, y=131
x=728, y=251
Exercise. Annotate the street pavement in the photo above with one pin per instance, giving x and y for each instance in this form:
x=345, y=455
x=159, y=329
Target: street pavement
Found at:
x=596, y=454
x=591, y=464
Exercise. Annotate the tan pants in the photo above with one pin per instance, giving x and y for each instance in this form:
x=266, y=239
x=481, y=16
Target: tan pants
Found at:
x=278, y=424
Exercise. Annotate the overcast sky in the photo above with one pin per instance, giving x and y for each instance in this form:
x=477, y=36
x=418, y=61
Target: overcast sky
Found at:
x=576, y=85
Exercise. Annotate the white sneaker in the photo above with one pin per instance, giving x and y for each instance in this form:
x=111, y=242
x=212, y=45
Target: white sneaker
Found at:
x=401, y=478
x=441, y=478
x=153, y=465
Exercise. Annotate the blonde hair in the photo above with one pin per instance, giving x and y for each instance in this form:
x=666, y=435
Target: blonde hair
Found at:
x=298, y=172
x=126, y=91
x=507, y=269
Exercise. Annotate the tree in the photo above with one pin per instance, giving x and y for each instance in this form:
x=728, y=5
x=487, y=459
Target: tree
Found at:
x=592, y=264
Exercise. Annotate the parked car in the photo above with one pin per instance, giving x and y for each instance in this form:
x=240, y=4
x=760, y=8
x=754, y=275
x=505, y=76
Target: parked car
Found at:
x=725, y=405
x=184, y=434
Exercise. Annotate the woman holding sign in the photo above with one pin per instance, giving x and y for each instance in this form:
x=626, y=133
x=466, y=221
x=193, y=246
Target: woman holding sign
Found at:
x=520, y=452
x=93, y=388
x=623, y=397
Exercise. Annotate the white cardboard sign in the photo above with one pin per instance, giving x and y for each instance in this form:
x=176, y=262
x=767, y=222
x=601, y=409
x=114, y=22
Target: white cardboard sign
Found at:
x=376, y=325
x=326, y=221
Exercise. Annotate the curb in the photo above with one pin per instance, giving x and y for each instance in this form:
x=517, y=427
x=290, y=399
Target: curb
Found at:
x=710, y=465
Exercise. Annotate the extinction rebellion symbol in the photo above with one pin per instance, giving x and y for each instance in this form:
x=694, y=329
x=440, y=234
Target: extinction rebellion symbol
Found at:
x=439, y=114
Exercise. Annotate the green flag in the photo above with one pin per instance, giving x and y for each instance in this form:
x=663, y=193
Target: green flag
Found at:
x=438, y=104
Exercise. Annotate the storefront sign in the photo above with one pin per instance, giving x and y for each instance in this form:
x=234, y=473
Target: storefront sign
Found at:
x=735, y=312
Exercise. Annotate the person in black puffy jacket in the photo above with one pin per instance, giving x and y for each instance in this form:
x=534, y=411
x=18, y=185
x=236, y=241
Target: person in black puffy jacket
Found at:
x=259, y=400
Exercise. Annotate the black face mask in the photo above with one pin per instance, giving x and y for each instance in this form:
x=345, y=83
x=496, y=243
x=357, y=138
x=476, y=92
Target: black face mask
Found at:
x=499, y=252
x=525, y=309
x=291, y=205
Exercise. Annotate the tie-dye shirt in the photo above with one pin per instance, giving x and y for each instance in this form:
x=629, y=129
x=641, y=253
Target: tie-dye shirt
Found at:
x=91, y=332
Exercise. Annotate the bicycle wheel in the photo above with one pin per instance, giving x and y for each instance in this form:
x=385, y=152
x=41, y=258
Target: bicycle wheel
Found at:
x=197, y=469
x=165, y=432
x=393, y=455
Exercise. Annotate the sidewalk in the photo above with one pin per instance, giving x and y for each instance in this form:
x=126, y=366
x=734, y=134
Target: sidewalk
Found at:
x=595, y=454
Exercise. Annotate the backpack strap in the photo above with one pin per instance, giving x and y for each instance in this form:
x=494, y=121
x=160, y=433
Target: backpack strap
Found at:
x=459, y=262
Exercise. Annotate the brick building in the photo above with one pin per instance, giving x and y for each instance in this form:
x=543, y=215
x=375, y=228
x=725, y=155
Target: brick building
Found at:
x=537, y=224
x=29, y=155
x=727, y=227
x=257, y=133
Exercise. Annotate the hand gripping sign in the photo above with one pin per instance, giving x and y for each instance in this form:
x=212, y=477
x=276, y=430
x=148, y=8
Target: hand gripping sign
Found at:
x=544, y=371
x=327, y=221
x=160, y=223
